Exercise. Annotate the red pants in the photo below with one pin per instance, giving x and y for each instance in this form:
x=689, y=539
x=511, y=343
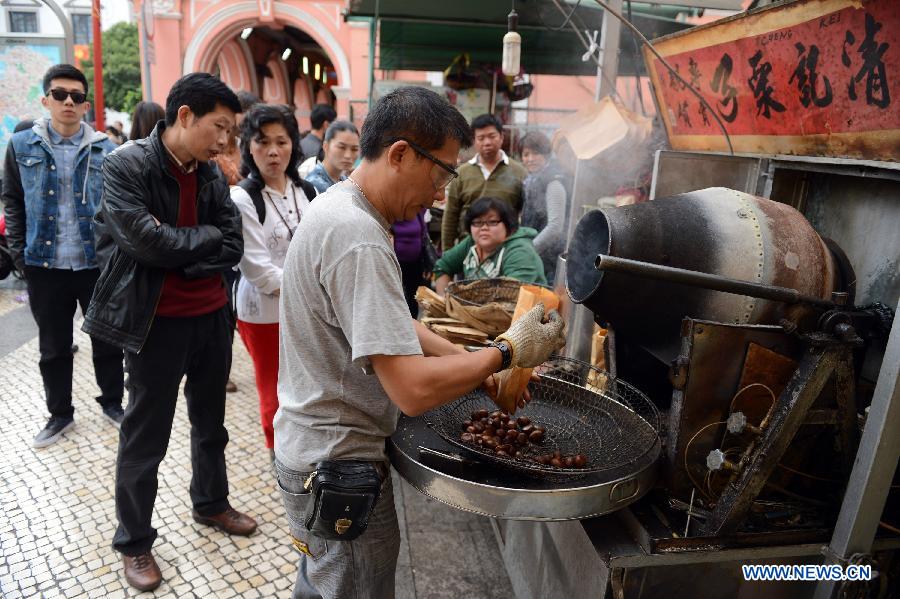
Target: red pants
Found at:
x=261, y=341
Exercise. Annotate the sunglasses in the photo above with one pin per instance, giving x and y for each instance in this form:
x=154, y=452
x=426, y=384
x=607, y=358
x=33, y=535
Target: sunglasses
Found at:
x=450, y=172
x=60, y=95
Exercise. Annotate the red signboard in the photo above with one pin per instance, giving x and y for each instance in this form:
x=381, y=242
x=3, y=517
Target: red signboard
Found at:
x=816, y=77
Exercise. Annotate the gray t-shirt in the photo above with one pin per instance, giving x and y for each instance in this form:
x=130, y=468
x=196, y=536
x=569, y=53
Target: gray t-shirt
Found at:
x=341, y=301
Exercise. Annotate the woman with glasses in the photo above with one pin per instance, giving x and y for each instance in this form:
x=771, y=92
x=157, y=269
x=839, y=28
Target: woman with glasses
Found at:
x=272, y=200
x=495, y=247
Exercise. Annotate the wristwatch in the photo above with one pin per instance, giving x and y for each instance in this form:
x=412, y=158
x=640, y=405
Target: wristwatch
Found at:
x=505, y=352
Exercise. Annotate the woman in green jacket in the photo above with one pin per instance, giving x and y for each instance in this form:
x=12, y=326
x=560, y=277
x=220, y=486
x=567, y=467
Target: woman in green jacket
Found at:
x=495, y=247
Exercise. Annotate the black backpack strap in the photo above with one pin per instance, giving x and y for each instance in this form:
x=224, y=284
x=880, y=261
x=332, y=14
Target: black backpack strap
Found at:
x=308, y=189
x=254, y=190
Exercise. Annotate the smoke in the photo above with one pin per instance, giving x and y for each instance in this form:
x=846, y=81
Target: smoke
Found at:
x=623, y=168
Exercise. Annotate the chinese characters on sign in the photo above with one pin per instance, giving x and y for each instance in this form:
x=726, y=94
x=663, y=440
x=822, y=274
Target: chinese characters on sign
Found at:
x=824, y=75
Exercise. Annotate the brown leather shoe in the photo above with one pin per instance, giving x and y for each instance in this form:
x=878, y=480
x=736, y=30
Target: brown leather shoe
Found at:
x=230, y=521
x=141, y=571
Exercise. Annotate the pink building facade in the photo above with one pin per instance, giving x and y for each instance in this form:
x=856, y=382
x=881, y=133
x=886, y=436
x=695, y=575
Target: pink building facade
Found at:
x=206, y=35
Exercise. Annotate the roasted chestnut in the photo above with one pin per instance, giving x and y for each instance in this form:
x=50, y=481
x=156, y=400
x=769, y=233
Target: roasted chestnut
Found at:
x=523, y=421
x=556, y=463
x=535, y=436
x=481, y=414
x=521, y=438
x=580, y=461
x=568, y=461
x=479, y=428
x=467, y=438
x=466, y=424
x=471, y=429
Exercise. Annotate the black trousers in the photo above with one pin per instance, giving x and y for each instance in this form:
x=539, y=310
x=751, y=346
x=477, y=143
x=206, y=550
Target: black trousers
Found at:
x=53, y=295
x=411, y=274
x=197, y=347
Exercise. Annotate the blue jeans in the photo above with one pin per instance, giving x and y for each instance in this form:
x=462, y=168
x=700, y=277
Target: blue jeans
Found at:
x=360, y=569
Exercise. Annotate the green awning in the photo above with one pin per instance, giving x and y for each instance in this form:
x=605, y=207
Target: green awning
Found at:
x=427, y=36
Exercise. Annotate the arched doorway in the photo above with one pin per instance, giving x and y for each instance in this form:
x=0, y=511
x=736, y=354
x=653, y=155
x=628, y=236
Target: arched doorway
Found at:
x=292, y=58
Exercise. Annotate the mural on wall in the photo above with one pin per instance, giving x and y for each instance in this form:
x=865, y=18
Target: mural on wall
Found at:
x=23, y=62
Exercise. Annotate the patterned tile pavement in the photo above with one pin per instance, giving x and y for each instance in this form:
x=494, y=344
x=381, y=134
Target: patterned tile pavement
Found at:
x=12, y=296
x=57, y=512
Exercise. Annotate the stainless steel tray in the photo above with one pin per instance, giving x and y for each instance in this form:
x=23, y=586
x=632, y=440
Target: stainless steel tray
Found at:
x=435, y=468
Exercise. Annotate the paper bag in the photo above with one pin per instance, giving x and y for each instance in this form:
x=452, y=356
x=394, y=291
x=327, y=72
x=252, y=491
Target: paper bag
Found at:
x=513, y=381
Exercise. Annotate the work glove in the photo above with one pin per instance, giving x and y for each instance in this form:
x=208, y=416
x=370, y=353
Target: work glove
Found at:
x=531, y=340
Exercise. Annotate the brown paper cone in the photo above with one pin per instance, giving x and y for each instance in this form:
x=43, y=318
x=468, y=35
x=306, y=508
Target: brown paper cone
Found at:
x=513, y=381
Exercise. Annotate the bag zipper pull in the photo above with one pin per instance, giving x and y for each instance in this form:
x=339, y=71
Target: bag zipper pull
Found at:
x=309, y=479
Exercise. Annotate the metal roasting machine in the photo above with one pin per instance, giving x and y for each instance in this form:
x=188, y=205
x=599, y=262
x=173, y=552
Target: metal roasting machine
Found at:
x=727, y=417
x=752, y=315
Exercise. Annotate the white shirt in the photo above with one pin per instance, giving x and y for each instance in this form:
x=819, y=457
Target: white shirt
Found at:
x=484, y=171
x=307, y=166
x=265, y=246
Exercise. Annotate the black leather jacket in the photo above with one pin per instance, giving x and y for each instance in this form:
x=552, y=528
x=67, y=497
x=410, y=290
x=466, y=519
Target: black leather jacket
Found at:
x=136, y=252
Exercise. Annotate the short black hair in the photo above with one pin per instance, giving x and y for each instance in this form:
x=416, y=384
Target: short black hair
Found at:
x=487, y=120
x=256, y=118
x=63, y=71
x=536, y=142
x=415, y=113
x=485, y=204
x=200, y=92
x=338, y=126
x=247, y=99
x=321, y=113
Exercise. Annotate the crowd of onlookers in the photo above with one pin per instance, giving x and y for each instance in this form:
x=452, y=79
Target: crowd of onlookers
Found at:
x=501, y=218
x=175, y=239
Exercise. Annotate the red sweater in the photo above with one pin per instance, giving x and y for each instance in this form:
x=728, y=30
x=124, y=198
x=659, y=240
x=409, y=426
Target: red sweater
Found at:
x=182, y=297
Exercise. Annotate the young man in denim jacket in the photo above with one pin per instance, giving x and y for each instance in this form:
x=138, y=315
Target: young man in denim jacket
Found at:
x=51, y=189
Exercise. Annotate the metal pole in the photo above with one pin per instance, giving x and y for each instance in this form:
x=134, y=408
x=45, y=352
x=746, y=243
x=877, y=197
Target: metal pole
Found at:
x=148, y=89
x=609, y=51
x=694, y=278
x=373, y=29
x=99, y=107
x=873, y=470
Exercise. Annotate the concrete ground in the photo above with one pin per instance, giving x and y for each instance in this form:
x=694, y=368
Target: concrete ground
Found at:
x=57, y=512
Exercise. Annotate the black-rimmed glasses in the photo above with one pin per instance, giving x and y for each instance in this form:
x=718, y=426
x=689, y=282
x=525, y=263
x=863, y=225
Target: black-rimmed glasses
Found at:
x=60, y=95
x=450, y=171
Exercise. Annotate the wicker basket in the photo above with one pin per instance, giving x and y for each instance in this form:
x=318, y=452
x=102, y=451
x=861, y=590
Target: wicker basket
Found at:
x=484, y=304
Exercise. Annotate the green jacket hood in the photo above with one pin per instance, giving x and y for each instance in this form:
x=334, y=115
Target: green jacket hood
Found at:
x=522, y=234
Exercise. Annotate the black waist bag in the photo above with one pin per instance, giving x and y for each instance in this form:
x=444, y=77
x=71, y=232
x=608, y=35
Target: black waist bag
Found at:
x=344, y=494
